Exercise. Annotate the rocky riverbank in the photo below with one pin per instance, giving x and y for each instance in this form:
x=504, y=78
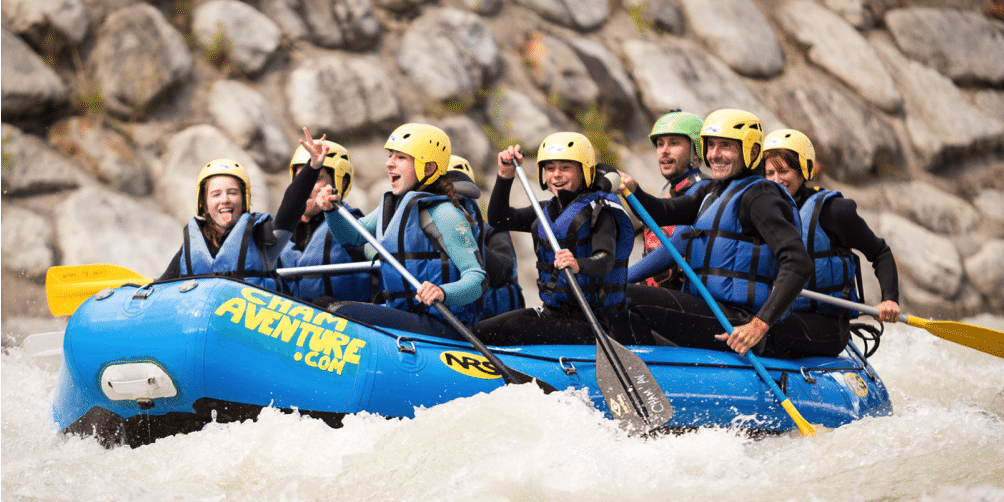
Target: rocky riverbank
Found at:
x=111, y=108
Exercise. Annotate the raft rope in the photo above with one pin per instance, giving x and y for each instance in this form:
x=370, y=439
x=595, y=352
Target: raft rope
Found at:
x=868, y=334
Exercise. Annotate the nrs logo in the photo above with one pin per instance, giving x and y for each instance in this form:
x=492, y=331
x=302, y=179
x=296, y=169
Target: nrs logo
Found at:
x=856, y=383
x=472, y=365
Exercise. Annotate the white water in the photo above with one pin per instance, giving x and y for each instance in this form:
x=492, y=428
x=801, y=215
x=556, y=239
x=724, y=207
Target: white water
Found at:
x=945, y=443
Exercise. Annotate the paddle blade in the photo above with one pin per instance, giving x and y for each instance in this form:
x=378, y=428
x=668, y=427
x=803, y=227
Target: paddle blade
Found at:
x=517, y=377
x=982, y=339
x=67, y=287
x=631, y=392
x=804, y=426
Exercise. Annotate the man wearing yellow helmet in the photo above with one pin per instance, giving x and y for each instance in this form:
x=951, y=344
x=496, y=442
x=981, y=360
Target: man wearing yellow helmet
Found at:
x=596, y=234
x=225, y=237
x=420, y=222
x=745, y=244
x=312, y=244
x=831, y=228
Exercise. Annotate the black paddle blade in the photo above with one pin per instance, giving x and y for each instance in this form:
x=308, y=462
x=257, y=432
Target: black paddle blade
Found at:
x=516, y=377
x=631, y=392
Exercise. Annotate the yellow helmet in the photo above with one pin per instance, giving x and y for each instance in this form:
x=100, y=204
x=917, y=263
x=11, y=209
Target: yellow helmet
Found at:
x=734, y=124
x=336, y=161
x=567, y=146
x=425, y=143
x=229, y=168
x=796, y=141
x=458, y=163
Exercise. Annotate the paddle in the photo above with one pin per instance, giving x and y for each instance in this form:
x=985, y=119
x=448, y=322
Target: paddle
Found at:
x=982, y=339
x=68, y=286
x=631, y=392
x=803, y=426
x=508, y=374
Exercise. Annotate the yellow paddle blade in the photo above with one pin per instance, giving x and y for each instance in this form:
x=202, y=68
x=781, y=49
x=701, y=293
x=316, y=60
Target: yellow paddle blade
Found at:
x=67, y=287
x=804, y=426
x=982, y=339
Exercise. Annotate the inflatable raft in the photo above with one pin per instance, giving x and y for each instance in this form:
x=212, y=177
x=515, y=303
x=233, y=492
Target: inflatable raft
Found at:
x=142, y=363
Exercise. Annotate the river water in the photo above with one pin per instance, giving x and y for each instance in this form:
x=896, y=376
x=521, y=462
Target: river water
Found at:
x=945, y=443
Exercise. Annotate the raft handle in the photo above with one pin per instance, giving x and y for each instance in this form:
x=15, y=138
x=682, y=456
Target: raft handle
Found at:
x=143, y=293
x=806, y=376
x=402, y=348
x=570, y=369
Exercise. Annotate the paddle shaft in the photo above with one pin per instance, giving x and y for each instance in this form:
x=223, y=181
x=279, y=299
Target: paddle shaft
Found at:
x=840, y=302
x=508, y=374
x=649, y=411
x=803, y=426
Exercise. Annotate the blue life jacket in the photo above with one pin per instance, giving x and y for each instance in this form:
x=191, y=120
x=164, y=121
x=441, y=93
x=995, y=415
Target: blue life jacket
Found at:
x=420, y=249
x=676, y=238
x=736, y=268
x=573, y=231
x=321, y=249
x=239, y=256
x=835, y=268
x=503, y=294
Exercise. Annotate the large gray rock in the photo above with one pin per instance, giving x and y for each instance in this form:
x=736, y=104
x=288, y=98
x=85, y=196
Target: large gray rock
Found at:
x=562, y=76
x=248, y=36
x=941, y=122
x=287, y=15
x=738, y=33
x=336, y=24
x=932, y=207
x=188, y=152
x=483, y=7
x=660, y=14
x=104, y=152
x=990, y=102
x=929, y=259
x=515, y=117
x=469, y=141
x=27, y=241
x=29, y=87
x=851, y=140
x=246, y=115
x=963, y=45
x=985, y=270
x=32, y=167
x=449, y=54
x=53, y=24
x=94, y=225
x=138, y=57
x=678, y=75
x=617, y=90
x=341, y=96
x=583, y=15
x=856, y=12
x=991, y=204
x=837, y=47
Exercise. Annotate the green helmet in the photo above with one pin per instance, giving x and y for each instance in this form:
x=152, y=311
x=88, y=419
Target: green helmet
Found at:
x=680, y=123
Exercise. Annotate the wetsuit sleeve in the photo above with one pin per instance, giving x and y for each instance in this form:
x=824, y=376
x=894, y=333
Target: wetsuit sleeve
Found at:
x=344, y=233
x=840, y=220
x=294, y=201
x=504, y=217
x=680, y=210
x=173, y=269
x=653, y=263
x=603, y=240
x=770, y=215
x=462, y=249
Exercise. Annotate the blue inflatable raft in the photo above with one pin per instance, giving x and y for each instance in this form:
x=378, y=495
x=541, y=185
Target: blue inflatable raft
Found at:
x=141, y=363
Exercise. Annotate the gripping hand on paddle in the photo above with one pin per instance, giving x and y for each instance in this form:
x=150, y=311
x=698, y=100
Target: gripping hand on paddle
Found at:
x=888, y=311
x=327, y=198
x=506, y=168
x=428, y=293
x=627, y=182
x=746, y=336
x=317, y=148
x=564, y=259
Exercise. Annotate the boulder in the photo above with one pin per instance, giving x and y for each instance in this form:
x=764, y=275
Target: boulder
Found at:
x=583, y=15
x=95, y=225
x=985, y=270
x=932, y=207
x=659, y=14
x=738, y=33
x=964, y=45
x=483, y=7
x=104, y=152
x=247, y=116
x=449, y=54
x=29, y=88
x=617, y=90
x=27, y=241
x=341, y=96
x=990, y=102
x=138, y=57
x=562, y=76
x=468, y=140
x=941, y=122
x=188, y=152
x=838, y=48
x=237, y=33
x=852, y=141
x=32, y=167
x=337, y=24
x=517, y=119
x=675, y=74
x=991, y=204
x=287, y=15
x=402, y=5
x=929, y=259
x=52, y=26
x=858, y=13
